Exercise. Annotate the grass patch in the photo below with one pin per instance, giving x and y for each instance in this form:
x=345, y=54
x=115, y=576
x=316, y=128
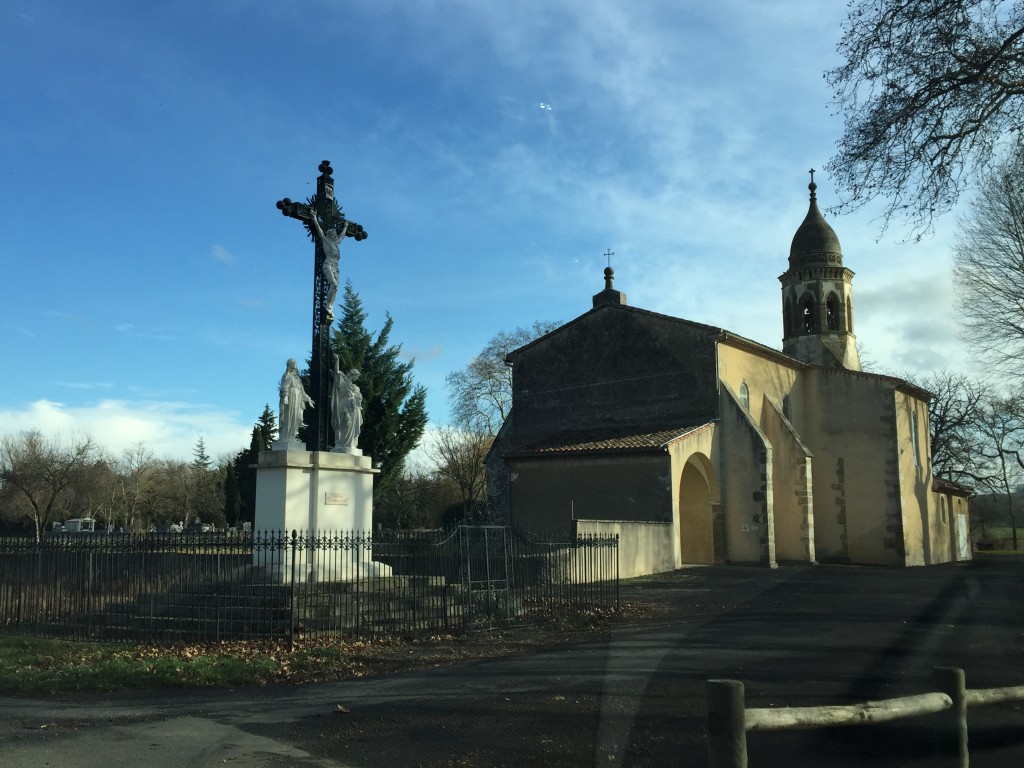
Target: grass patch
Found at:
x=32, y=666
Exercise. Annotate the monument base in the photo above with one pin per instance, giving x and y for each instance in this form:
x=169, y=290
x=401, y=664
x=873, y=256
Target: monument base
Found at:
x=320, y=495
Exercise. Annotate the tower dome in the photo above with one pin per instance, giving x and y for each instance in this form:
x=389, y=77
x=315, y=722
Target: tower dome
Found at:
x=817, y=296
x=815, y=242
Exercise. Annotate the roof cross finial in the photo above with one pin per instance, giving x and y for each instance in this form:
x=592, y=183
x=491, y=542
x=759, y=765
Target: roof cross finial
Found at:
x=812, y=186
x=608, y=254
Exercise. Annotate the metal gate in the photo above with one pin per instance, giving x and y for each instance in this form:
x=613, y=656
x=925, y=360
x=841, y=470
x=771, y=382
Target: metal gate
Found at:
x=488, y=579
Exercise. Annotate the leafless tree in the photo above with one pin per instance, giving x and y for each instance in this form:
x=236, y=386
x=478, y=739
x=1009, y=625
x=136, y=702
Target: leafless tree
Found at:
x=458, y=455
x=953, y=417
x=45, y=476
x=481, y=394
x=1001, y=428
x=988, y=269
x=134, y=486
x=930, y=92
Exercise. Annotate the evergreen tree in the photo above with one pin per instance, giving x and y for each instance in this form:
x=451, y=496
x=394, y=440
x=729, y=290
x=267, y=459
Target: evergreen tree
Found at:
x=200, y=459
x=267, y=425
x=232, y=496
x=245, y=475
x=394, y=407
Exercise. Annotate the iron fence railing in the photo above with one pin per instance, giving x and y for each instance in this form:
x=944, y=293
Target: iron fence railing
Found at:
x=212, y=586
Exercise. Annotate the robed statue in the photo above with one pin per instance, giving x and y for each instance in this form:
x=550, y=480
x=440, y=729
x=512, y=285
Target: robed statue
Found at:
x=292, y=403
x=346, y=409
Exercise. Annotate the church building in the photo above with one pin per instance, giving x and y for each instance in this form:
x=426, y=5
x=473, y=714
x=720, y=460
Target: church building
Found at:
x=696, y=445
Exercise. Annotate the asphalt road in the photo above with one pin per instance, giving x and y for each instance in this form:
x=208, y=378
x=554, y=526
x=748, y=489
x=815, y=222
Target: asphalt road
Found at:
x=796, y=636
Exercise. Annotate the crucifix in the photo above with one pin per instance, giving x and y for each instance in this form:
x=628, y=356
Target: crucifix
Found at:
x=328, y=227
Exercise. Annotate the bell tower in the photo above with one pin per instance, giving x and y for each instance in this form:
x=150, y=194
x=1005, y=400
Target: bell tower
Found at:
x=817, y=296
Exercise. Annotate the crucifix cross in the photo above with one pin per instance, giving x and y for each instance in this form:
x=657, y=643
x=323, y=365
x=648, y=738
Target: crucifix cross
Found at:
x=328, y=227
x=609, y=253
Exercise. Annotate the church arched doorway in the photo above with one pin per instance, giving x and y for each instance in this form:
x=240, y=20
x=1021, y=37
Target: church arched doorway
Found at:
x=696, y=518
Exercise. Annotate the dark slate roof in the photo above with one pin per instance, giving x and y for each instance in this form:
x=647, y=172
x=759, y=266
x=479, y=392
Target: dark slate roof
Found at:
x=603, y=441
x=814, y=240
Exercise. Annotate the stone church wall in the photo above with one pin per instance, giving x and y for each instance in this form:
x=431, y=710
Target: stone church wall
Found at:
x=549, y=495
x=615, y=367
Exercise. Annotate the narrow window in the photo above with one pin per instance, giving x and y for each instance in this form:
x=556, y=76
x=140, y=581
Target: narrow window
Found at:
x=745, y=396
x=832, y=313
x=807, y=314
x=787, y=322
x=913, y=438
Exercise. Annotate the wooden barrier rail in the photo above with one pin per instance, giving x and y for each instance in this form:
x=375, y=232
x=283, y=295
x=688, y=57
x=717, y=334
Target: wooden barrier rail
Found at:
x=729, y=719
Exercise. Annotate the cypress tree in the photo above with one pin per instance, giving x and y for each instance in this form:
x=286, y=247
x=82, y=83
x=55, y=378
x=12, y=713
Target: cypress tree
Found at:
x=394, y=407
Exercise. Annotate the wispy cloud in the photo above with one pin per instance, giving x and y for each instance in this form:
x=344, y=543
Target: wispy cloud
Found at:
x=132, y=330
x=222, y=254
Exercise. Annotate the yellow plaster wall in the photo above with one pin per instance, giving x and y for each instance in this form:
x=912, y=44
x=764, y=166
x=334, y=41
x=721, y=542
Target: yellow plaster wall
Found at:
x=698, y=535
x=762, y=376
x=745, y=467
x=643, y=547
x=851, y=428
x=792, y=494
x=924, y=540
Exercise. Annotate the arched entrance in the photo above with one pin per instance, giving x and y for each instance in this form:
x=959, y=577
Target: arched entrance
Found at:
x=696, y=520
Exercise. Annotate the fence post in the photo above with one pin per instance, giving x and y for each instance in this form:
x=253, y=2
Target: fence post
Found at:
x=291, y=592
x=952, y=681
x=727, y=727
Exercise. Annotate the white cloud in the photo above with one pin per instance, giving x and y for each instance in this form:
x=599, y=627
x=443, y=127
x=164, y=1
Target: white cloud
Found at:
x=222, y=254
x=169, y=429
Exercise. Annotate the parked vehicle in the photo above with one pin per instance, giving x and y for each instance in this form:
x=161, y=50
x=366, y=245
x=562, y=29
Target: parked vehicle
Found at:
x=80, y=525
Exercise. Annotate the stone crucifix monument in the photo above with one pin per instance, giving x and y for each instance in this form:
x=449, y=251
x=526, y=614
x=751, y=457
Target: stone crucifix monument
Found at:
x=306, y=487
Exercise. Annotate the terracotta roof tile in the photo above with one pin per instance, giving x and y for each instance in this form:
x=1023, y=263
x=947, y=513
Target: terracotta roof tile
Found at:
x=621, y=440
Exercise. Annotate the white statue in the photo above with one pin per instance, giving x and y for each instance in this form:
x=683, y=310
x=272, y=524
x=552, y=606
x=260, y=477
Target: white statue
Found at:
x=293, y=402
x=331, y=241
x=346, y=409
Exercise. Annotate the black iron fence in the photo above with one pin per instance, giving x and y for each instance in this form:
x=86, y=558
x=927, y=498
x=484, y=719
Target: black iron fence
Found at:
x=212, y=586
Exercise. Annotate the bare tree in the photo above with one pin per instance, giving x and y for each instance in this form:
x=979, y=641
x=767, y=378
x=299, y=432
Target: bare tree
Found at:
x=1001, y=427
x=458, y=455
x=135, y=473
x=45, y=475
x=953, y=416
x=930, y=91
x=481, y=394
x=988, y=269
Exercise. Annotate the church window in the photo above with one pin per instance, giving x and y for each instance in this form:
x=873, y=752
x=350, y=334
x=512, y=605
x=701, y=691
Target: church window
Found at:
x=913, y=438
x=787, y=323
x=807, y=314
x=745, y=396
x=849, y=315
x=786, y=408
x=832, y=312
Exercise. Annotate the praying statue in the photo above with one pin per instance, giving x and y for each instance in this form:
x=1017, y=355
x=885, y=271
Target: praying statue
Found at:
x=293, y=402
x=331, y=241
x=346, y=409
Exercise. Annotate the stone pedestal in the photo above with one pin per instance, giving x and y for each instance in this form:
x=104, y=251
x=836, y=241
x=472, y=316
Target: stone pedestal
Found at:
x=320, y=495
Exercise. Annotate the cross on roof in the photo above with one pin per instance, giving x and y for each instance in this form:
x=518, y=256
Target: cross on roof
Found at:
x=609, y=253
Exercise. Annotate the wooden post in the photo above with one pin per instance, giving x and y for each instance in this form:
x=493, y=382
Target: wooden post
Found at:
x=952, y=682
x=727, y=727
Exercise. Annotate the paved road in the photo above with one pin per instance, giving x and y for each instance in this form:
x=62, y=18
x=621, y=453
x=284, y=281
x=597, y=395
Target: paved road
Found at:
x=795, y=636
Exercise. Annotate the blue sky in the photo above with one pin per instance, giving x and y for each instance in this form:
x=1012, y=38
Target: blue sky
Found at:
x=493, y=152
